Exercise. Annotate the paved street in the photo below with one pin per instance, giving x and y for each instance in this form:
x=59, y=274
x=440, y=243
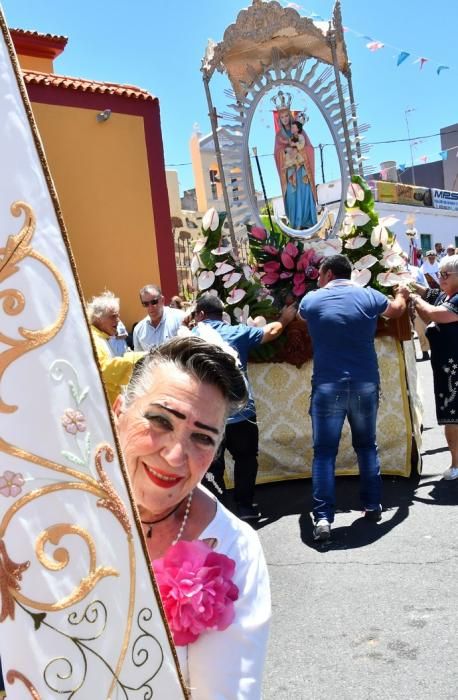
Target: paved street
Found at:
x=372, y=615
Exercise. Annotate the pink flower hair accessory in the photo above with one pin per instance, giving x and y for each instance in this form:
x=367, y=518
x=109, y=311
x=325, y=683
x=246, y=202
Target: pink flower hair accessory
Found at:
x=196, y=589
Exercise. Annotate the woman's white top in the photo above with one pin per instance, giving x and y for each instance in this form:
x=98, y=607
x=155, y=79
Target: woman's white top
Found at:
x=228, y=665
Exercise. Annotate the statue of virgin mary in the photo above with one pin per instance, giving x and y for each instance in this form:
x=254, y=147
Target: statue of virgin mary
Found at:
x=295, y=161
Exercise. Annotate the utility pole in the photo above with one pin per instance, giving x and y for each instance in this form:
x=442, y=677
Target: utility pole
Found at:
x=406, y=112
x=321, y=147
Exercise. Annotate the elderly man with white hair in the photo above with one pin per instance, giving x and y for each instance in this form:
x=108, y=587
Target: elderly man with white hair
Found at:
x=103, y=311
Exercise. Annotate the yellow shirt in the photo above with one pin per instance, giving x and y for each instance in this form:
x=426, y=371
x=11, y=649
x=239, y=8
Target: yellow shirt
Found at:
x=116, y=371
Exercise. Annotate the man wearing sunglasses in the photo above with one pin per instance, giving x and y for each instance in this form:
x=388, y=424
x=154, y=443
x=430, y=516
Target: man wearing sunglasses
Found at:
x=161, y=323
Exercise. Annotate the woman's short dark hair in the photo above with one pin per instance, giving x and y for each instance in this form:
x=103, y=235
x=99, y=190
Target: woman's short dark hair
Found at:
x=339, y=265
x=201, y=360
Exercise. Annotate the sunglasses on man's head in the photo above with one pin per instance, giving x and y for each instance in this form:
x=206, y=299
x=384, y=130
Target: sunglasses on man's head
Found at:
x=151, y=302
x=444, y=275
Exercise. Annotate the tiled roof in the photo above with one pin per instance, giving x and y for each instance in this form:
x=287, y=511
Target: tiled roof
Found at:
x=32, y=43
x=34, y=33
x=32, y=77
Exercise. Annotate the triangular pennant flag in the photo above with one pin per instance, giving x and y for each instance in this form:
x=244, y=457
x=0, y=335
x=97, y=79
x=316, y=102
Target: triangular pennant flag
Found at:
x=441, y=68
x=374, y=45
x=402, y=57
x=423, y=159
x=443, y=155
x=402, y=167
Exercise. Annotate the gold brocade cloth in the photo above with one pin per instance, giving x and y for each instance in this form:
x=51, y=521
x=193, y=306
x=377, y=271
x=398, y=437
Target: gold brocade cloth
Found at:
x=282, y=395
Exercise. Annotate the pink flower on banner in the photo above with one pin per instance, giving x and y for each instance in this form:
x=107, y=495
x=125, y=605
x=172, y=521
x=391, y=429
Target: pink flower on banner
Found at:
x=270, y=249
x=73, y=421
x=291, y=249
x=11, y=484
x=196, y=589
x=259, y=233
x=271, y=266
x=287, y=260
x=298, y=279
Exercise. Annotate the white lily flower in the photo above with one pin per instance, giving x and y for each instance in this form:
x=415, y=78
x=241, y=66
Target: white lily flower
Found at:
x=354, y=193
x=379, y=235
x=222, y=250
x=355, y=243
x=210, y=220
x=235, y=296
x=361, y=277
x=358, y=217
x=223, y=268
x=365, y=262
x=205, y=280
x=388, y=221
x=231, y=279
x=199, y=245
x=242, y=314
x=247, y=271
x=195, y=264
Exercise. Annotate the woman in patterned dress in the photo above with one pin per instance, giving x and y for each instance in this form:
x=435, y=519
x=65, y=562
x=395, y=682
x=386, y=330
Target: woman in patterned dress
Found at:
x=439, y=308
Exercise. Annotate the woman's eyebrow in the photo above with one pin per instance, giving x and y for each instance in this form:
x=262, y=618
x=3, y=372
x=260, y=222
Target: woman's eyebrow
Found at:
x=206, y=427
x=181, y=416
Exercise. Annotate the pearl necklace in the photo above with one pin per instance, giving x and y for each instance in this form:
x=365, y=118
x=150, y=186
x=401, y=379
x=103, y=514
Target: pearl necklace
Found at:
x=185, y=518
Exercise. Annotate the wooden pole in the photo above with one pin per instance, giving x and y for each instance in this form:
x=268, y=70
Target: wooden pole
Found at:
x=214, y=124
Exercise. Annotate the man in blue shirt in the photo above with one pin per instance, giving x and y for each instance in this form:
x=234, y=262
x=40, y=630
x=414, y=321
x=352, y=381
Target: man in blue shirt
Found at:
x=242, y=436
x=342, y=321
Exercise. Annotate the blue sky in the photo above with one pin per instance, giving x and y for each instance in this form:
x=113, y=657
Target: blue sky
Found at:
x=158, y=45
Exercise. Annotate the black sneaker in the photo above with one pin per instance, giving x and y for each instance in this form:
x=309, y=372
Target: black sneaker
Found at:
x=248, y=513
x=373, y=516
x=322, y=531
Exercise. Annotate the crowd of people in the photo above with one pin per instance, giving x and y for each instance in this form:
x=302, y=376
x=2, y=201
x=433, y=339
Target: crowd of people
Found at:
x=182, y=397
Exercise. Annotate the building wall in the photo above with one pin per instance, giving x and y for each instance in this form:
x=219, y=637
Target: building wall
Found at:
x=109, y=222
x=202, y=162
x=173, y=188
x=449, y=139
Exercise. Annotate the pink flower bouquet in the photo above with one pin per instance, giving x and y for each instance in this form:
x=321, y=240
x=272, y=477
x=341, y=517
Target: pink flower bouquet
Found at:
x=196, y=589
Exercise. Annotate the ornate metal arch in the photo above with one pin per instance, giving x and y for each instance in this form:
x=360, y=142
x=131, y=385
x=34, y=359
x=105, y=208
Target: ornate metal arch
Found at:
x=271, y=46
x=314, y=79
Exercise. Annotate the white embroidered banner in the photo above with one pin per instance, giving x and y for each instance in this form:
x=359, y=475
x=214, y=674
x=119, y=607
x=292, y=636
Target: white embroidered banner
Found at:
x=78, y=616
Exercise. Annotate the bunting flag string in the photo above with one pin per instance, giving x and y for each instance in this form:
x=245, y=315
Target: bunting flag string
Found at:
x=373, y=45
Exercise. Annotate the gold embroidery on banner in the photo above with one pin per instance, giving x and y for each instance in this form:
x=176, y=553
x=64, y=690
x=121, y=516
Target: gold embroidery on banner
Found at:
x=10, y=576
x=14, y=675
x=116, y=506
x=14, y=302
x=17, y=248
x=54, y=534
x=112, y=501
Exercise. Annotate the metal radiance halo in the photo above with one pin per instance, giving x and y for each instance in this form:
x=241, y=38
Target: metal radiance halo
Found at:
x=322, y=90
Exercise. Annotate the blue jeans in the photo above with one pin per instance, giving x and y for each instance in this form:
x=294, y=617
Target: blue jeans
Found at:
x=329, y=405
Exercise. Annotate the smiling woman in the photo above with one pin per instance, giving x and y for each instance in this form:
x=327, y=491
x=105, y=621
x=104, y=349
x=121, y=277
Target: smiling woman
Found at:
x=209, y=565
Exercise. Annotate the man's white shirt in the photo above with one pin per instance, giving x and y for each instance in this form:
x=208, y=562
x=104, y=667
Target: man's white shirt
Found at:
x=147, y=336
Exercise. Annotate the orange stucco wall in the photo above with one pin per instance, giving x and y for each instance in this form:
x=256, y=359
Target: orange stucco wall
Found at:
x=100, y=171
x=45, y=65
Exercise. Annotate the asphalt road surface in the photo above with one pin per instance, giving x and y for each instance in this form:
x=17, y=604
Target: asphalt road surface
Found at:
x=373, y=614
